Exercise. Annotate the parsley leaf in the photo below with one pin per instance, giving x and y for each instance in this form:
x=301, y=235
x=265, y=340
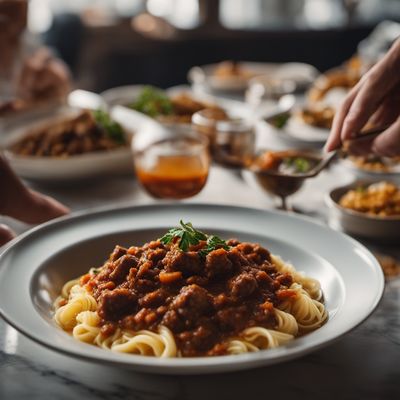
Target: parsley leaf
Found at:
x=112, y=128
x=299, y=164
x=153, y=102
x=213, y=242
x=279, y=121
x=188, y=235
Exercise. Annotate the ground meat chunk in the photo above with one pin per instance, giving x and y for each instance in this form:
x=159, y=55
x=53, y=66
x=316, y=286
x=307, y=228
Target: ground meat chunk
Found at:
x=232, y=242
x=285, y=279
x=118, y=252
x=198, y=339
x=237, y=259
x=232, y=318
x=218, y=263
x=188, y=263
x=192, y=302
x=153, y=299
x=122, y=267
x=115, y=304
x=173, y=321
x=243, y=285
x=156, y=255
x=254, y=252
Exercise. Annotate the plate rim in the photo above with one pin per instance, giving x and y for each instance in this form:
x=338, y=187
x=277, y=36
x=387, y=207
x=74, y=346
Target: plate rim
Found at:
x=245, y=361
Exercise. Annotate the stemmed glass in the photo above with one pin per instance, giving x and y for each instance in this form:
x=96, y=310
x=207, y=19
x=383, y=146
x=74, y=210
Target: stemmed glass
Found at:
x=285, y=179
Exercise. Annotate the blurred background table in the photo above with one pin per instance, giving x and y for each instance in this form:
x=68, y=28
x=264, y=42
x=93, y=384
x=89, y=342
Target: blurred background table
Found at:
x=361, y=365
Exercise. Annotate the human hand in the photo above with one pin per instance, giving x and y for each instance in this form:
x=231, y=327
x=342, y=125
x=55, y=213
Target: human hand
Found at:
x=24, y=204
x=374, y=100
x=43, y=77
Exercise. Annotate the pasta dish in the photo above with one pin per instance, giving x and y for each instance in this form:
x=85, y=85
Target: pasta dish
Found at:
x=190, y=294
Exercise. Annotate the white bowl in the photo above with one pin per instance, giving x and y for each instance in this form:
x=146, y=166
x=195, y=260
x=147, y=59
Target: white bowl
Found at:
x=57, y=170
x=205, y=75
x=37, y=264
x=369, y=175
x=360, y=224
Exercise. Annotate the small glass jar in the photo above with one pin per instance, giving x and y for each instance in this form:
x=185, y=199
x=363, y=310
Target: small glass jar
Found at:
x=265, y=90
x=171, y=163
x=232, y=140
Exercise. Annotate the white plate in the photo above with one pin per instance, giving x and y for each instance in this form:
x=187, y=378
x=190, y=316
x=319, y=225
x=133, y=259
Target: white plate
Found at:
x=305, y=132
x=392, y=175
x=205, y=75
x=36, y=265
x=121, y=95
x=77, y=167
x=295, y=133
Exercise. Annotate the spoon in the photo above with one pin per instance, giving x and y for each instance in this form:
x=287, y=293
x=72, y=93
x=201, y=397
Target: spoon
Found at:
x=327, y=159
x=283, y=184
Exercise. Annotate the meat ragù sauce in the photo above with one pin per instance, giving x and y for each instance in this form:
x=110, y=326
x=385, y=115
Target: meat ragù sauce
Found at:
x=203, y=299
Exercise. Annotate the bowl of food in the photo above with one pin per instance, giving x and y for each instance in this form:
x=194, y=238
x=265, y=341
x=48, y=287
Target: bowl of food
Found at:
x=365, y=209
x=372, y=167
x=302, y=125
x=71, y=144
x=135, y=287
x=165, y=106
x=282, y=173
x=237, y=76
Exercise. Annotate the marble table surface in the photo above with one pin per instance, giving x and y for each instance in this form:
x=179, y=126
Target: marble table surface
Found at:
x=364, y=364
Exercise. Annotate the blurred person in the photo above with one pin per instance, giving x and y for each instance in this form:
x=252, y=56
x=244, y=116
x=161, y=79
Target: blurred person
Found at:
x=19, y=202
x=28, y=71
x=375, y=101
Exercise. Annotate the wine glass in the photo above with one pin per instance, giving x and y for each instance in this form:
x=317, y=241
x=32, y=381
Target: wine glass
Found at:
x=171, y=162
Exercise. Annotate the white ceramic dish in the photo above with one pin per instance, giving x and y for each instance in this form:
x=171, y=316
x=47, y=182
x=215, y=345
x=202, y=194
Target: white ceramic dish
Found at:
x=37, y=264
x=357, y=223
x=58, y=170
x=205, y=75
x=121, y=95
x=375, y=176
x=299, y=130
x=124, y=95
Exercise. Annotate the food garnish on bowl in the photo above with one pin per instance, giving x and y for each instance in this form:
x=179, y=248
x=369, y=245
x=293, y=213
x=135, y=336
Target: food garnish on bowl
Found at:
x=83, y=133
x=378, y=199
x=320, y=117
x=286, y=162
x=366, y=209
x=190, y=294
x=156, y=103
x=341, y=77
x=375, y=163
x=232, y=69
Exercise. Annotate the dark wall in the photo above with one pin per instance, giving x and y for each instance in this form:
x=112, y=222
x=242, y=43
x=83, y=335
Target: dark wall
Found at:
x=166, y=63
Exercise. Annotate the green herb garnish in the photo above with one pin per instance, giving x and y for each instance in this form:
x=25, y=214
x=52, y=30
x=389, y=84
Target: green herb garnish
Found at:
x=112, y=128
x=153, y=102
x=95, y=271
x=279, y=121
x=299, y=164
x=213, y=242
x=187, y=235
x=361, y=189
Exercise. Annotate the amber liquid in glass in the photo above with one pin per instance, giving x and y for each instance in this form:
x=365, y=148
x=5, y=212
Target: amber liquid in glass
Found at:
x=172, y=176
